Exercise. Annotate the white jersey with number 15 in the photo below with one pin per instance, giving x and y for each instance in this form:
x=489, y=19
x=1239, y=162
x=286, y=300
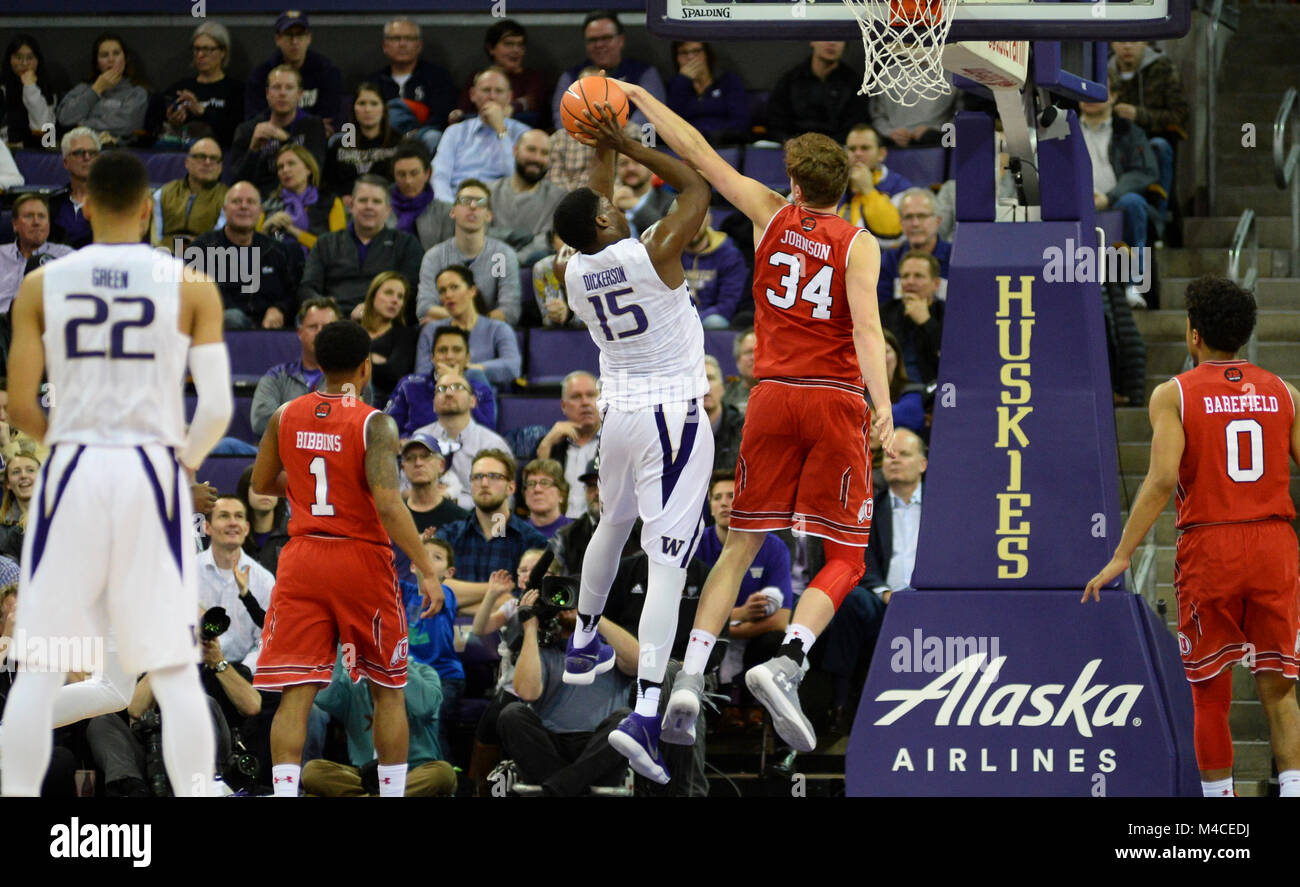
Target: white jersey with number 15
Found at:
x=650, y=339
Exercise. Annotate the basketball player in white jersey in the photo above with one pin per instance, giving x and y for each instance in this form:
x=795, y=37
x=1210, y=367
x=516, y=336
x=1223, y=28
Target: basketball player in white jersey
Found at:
x=108, y=549
x=656, y=445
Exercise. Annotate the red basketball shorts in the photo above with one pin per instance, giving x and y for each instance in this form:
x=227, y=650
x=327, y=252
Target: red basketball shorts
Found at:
x=1238, y=591
x=330, y=592
x=803, y=462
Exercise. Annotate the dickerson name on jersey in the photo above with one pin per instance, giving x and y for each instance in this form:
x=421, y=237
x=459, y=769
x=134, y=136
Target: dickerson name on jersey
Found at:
x=1110, y=706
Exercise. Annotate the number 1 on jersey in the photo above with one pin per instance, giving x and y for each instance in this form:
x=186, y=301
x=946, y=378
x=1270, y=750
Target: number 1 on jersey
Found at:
x=321, y=507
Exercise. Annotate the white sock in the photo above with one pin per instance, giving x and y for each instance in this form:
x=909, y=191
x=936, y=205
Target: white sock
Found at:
x=392, y=780
x=1288, y=782
x=1220, y=788
x=285, y=778
x=802, y=633
x=698, y=650
x=647, y=703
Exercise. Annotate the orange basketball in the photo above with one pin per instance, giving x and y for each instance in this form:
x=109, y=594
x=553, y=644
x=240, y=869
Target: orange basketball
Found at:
x=586, y=94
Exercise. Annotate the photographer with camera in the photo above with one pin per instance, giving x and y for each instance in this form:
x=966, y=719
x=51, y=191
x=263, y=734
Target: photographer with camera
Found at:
x=230, y=578
x=558, y=735
x=132, y=758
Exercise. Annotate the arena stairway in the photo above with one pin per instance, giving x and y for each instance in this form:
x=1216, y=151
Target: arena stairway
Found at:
x=1257, y=69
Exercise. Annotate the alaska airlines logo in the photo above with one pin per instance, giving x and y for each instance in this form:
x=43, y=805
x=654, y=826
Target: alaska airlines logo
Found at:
x=1003, y=705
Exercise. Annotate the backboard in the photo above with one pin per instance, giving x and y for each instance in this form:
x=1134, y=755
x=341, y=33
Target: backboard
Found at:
x=1006, y=20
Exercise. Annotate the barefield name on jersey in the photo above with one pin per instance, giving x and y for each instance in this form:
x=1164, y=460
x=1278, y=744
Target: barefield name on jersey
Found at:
x=1085, y=705
x=315, y=440
x=1241, y=403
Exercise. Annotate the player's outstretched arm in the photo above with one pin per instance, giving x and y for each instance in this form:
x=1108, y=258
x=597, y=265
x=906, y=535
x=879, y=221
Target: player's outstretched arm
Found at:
x=753, y=198
x=669, y=237
x=268, y=470
x=381, y=475
x=868, y=338
x=1295, y=422
x=201, y=320
x=27, y=357
x=1167, y=444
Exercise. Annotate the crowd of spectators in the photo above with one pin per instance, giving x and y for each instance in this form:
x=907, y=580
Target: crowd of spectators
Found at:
x=413, y=210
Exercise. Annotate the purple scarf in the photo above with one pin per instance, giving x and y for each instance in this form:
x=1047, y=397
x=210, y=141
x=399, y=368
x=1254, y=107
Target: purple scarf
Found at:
x=296, y=205
x=408, y=209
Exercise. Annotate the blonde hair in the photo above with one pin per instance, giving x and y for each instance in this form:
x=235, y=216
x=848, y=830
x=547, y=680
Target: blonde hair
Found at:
x=370, y=317
x=313, y=168
x=16, y=450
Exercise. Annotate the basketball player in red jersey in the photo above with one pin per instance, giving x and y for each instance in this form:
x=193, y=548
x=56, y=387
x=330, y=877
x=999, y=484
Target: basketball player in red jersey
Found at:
x=803, y=458
x=1221, y=435
x=336, y=458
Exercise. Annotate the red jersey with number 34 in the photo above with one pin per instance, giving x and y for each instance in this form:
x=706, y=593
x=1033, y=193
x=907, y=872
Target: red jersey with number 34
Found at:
x=1236, y=464
x=323, y=448
x=801, y=307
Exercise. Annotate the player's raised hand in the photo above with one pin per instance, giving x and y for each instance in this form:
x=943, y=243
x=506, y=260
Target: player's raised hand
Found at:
x=431, y=591
x=1116, y=566
x=601, y=129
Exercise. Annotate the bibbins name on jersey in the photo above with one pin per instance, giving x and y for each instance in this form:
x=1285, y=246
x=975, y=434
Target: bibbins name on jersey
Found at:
x=1241, y=403
x=598, y=280
x=314, y=440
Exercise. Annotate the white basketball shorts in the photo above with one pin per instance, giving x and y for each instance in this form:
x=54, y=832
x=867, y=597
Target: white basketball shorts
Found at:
x=109, y=553
x=655, y=464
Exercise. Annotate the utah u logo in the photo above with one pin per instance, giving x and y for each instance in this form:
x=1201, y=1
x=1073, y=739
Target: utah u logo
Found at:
x=672, y=546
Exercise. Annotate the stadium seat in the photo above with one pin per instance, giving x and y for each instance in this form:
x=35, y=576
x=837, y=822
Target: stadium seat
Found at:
x=553, y=354
x=758, y=108
x=163, y=167
x=516, y=411
x=921, y=166
x=223, y=471
x=1112, y=222
x=767, y=165
x=241, y=427
x=721, y=344
x=253, y=352
x=41, y=168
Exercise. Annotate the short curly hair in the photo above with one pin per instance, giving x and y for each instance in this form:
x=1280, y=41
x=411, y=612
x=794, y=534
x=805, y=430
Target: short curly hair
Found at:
x=1222, y=312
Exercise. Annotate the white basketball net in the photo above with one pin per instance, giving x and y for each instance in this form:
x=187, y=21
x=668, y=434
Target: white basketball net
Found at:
x=904, y=46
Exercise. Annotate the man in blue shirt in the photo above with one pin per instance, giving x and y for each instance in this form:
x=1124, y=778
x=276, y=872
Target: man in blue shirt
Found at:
x=491, y=538
x=482, y=147
x=432, y=640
